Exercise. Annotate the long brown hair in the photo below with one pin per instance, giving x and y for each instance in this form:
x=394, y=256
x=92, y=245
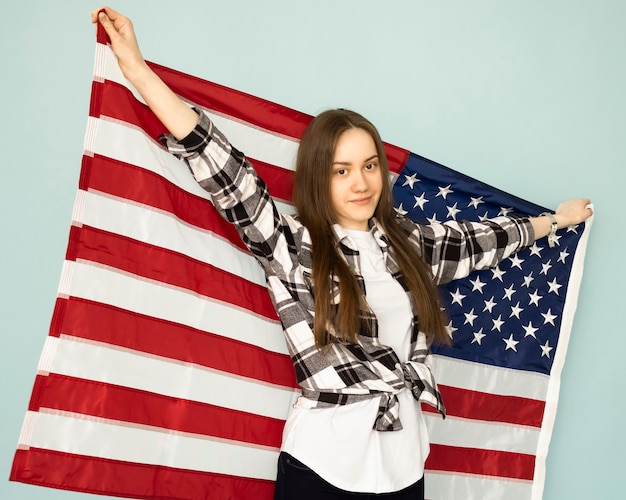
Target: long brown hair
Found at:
x=315, y=209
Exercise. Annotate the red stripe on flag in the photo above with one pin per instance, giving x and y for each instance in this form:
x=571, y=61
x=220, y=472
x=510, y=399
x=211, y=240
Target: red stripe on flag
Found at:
x=134, y=406
x=279, y=181
x=490, y=407
x=114, y=477
x=504, y=464
x=234, y=103
x=118, y=102
x=134, y=183
x=107, y=324
x=172, y=268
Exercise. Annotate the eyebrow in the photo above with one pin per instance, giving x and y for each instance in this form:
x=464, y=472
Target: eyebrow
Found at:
x=348, y=163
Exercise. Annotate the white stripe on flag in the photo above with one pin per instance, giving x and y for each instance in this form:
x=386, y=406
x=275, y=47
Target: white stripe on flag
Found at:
x=89, y=361
x=107, y=439
x=469, y=433
x=131, y=145
x=156, y=227
x=123, y=290
x=467, y=487
x=491, y=379
x=259, y=144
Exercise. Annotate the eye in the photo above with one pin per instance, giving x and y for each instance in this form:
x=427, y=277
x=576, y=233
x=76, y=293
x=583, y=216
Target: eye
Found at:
x=371, y=166
x=340, y=171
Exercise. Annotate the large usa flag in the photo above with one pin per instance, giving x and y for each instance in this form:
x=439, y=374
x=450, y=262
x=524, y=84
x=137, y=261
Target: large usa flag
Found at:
x=165, y=373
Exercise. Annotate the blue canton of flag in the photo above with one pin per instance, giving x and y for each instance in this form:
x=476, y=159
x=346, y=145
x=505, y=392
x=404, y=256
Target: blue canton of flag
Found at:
x=508, y=316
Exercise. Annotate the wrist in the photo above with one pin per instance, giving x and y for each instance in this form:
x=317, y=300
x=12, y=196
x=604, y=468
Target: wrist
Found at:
x=561, y=221
x=139, y=74
x=554, y=225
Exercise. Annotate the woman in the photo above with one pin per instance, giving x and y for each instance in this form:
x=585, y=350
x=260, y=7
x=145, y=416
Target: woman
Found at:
x=349, y=279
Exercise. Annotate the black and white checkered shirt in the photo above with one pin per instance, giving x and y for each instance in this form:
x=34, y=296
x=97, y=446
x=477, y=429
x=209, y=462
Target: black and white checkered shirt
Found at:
x=339, y=373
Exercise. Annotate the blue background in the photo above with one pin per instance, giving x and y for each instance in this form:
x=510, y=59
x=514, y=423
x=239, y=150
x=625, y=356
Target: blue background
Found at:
x=525, y=95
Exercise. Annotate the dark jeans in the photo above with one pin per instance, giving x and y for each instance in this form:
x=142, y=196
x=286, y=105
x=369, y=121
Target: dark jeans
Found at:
x=297, y=482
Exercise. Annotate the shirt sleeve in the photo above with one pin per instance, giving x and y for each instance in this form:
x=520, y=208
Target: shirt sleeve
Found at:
x=236, y=191
x=455, y=249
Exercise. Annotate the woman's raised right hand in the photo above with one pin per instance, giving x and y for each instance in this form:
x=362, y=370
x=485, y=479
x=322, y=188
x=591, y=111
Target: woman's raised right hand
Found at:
x=123, y=40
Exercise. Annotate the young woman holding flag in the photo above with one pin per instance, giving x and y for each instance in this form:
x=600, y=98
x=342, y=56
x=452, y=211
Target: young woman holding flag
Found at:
x=349, y=278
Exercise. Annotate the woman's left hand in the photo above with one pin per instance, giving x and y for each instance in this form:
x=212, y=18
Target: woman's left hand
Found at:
x=573, y=212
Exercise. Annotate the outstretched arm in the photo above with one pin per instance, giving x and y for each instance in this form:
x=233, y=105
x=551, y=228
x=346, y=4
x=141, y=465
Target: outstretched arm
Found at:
x=570, y=213
x=177, y=117
x=456, y=248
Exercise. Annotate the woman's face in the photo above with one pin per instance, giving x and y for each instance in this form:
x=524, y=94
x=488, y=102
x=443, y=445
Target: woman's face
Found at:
x=356, y=179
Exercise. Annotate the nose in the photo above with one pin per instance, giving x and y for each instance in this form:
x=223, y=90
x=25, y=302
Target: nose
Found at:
x=359, y=181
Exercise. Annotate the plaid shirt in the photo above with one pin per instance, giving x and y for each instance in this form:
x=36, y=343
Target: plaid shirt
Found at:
x=339, y=373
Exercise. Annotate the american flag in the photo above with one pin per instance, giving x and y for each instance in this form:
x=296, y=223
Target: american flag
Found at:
x=165, y=373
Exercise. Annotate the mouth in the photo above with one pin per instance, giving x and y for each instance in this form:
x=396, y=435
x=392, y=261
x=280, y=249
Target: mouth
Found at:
x=361, y=201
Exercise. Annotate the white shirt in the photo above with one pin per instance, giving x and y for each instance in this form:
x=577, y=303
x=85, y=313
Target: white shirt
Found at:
x=339, y=443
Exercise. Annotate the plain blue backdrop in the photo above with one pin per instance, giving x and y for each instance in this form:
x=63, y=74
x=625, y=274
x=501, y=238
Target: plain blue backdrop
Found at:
x=525, y=95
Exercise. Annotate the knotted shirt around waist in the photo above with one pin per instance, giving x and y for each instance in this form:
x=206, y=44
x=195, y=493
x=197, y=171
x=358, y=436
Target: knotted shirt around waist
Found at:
x=417, y=377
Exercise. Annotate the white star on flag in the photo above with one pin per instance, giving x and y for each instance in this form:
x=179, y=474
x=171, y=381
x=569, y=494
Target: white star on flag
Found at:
x=511, y=343
x=497, y=323
x=508, y=292
x=545, y=349
x=478, y=336
x=535, y=298
x=516, y=261
x=498, y=273
x=452, y=211
x=554, y=286
x=489, y=305
x=516, y=310
x=536, y=249
x=528, y=279
x=530, y=330
x=549, y=317
x=477, y=285
x=401, y=210
x=474, y=202
x=457, y=297
x=420, y=201
x=470, y=317
x=444, y=191
x=410, y=180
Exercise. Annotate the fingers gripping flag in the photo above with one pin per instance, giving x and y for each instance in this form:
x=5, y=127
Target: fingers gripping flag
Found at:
x=165, y=373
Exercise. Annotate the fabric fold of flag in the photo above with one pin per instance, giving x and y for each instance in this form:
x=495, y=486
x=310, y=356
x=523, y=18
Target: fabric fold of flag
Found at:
x=165, y=373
